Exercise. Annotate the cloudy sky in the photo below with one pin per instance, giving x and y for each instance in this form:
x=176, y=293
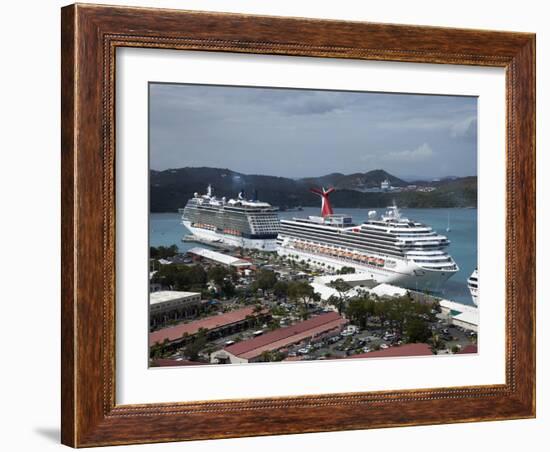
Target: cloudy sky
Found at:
x=298, y=133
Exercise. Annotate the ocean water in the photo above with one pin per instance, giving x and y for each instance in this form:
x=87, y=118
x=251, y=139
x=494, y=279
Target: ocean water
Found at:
x=166, y=229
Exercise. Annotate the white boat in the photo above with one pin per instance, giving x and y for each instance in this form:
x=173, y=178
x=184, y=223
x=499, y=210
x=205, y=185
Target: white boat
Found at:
x=473, y=286
x=389, y=249
x=241, y=222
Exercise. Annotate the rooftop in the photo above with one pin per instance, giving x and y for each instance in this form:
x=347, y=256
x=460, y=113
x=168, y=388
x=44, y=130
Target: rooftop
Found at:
x=169, y=295
x=282, y=337
x=225, y=259
x=387, y=290
x=471, y=348
x=176, y=332
x=462, y=312
x=401, y=350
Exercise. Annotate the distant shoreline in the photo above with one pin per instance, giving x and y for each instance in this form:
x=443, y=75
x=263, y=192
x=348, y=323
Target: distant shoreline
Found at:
x=343, y=208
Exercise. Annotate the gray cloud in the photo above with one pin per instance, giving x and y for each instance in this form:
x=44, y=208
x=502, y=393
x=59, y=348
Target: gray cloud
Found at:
x=421, y=153
x=294, y=133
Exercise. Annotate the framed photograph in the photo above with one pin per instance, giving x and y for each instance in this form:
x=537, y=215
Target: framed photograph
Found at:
x=281, y=225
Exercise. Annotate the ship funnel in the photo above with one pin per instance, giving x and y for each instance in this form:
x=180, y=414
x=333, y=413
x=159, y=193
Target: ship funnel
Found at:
x=326, y=208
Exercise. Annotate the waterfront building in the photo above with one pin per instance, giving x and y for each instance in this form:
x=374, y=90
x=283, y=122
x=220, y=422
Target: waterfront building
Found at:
x=220, y=258
x=461, y=315
x=166, y=305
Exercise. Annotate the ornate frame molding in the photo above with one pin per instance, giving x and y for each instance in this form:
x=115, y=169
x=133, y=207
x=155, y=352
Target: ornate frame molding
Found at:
x=90, y=37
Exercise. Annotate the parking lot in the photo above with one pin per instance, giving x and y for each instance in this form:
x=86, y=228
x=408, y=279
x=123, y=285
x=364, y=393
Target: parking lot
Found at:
x=350, y=341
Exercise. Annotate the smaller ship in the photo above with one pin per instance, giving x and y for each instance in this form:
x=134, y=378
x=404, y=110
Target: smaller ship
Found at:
x=473, y=286
x=241, y=222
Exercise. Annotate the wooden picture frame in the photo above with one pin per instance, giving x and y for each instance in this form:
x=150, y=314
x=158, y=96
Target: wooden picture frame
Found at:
x=90, y=36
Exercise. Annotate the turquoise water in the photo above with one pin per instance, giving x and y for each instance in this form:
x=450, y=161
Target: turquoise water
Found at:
x=166, y=229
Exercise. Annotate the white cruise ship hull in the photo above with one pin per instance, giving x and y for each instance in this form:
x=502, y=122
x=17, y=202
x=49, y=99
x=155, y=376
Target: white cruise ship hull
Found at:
x=473, y=293
x=405, y=274
x=231, y=240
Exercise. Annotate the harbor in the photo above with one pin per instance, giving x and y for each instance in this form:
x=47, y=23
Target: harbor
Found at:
x=166, y=229
x=259, y=305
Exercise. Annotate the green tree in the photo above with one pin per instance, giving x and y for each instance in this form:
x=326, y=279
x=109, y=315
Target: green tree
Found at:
x=302, y=293
x=271, y=356
x=265, y=280
x=194, y=347
x=162, y=252
x=280, y=289
x=345, y=270
x=342, y=287
x=359, y=310
x=181, y=277
x=228, y=288
x=217, y=274
x=417, y=330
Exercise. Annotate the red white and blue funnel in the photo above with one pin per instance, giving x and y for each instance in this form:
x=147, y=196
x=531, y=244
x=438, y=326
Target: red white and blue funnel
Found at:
x=326, y=208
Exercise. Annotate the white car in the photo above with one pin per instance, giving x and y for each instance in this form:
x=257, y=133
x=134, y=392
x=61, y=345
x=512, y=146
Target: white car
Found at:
x=384, y=346
x=351, y=329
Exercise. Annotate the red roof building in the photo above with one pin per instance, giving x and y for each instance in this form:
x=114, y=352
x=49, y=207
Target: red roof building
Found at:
x=213, y=323
x=401, y=350
x=252, y=349
x=471, y=348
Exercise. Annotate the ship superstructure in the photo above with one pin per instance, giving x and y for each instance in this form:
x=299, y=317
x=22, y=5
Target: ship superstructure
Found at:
x=473, y=286
x=241, y=222
x=388, y=248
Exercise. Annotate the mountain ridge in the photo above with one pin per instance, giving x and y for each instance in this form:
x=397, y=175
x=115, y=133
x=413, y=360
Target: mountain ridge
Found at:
x=170, y=189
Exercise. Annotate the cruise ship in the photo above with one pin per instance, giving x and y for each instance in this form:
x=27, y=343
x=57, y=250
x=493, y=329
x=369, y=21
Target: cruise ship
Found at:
x=473, y=286
x=388, y=248
x=234, y=222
